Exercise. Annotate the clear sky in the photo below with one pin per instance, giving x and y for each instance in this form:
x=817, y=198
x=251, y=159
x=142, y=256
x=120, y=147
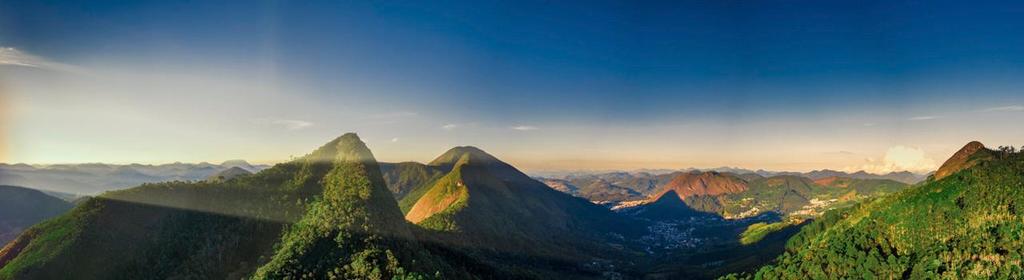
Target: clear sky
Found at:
x=551, y=85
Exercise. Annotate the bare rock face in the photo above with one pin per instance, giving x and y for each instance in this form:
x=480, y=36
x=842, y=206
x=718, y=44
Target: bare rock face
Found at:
x=968, y=156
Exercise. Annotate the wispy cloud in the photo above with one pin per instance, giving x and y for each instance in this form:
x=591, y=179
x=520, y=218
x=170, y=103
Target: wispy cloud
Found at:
x=450, y=126
x=15, y=57
x=286, y=123
x=394, y=140
x=524, y=127
x=1011, y=108
x=923, y=118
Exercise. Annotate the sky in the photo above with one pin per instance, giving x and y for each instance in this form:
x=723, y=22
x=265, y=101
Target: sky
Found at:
x=545, y=85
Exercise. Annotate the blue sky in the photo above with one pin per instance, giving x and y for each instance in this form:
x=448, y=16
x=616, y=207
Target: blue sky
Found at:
x=794, y=85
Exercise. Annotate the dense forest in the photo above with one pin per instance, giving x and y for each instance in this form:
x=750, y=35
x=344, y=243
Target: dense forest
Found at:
x=968, y=224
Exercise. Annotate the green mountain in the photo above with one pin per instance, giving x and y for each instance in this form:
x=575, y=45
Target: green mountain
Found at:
x=967, y=224
x=327, y=214
x=354, y=230
x=21, y=208
x=494, y=211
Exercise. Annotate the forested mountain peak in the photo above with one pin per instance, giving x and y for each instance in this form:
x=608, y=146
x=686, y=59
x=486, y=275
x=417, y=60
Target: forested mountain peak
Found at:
x=355, y=222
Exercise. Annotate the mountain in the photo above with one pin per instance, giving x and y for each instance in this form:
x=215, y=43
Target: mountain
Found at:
x=478, y=182
x=964, y=224
x=700, y=191
x=94, y=178
x=21, y=208
x=618, y=187
x=229, y=174
x=488, y=206
x=353, y=231
x=749, y=195
x=970, y=155
x=327, y=214
x=709, y=183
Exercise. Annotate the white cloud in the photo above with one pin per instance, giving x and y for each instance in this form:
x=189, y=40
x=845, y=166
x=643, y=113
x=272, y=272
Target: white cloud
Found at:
x=900, y=158
x=923, y=118
x=450, y=126
x=15, y=57
x=869, y=124
x=287, y=124
x=394, y=140
x=1011, y=108
x=12, y=56
x=524, y=127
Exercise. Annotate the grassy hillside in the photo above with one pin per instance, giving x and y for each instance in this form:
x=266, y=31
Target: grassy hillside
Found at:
x=966, y=225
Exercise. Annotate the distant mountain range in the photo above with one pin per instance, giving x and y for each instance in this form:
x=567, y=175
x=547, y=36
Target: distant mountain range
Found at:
x=900, y=176
x=94, y=178
x=614, y=187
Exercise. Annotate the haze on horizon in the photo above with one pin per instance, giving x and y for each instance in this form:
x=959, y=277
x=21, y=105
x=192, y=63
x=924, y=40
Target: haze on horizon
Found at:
x=776, y=85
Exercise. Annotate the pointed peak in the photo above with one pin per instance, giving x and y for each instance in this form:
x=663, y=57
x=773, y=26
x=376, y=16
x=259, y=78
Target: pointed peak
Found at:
x=346, y=147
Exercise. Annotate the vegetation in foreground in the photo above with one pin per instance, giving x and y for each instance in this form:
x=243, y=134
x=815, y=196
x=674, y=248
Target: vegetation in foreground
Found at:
x=968, y=224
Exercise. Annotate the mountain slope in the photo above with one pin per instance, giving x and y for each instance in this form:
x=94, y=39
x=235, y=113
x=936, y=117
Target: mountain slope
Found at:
x=352, y=231
x=21, y=208
x=487, y=206
x=965, y=225
x=328, y=210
